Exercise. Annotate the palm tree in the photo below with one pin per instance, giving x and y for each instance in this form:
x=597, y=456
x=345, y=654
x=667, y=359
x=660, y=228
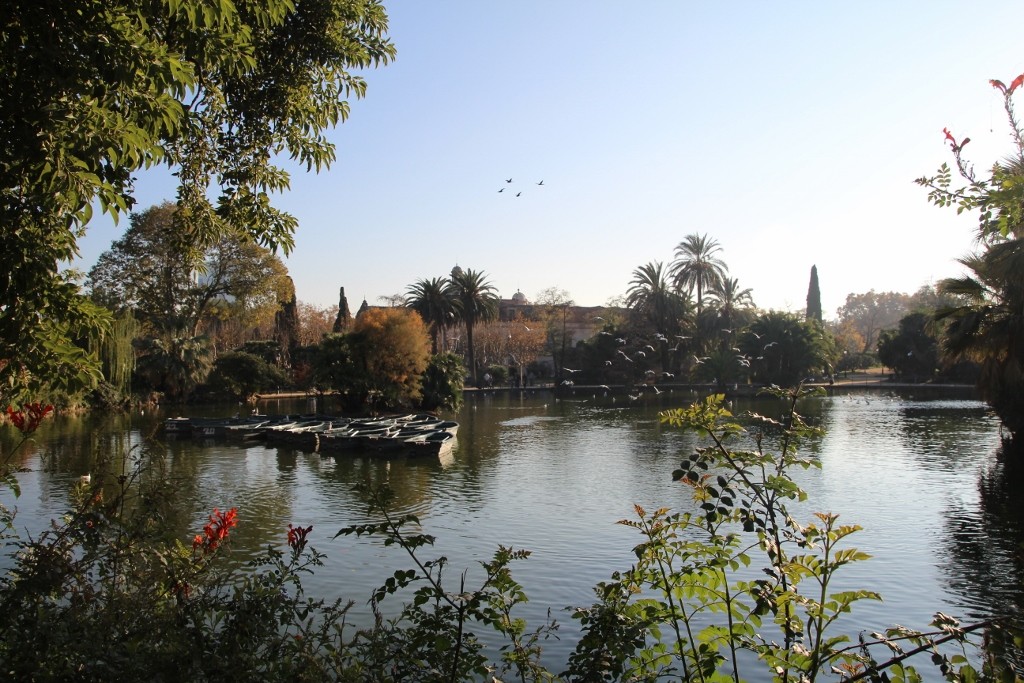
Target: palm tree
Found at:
x=989, y=328
x=476, y=300
x=651, y=295
x=433, y=301
x=729, y=299
x=175, y=365
x=696, y=267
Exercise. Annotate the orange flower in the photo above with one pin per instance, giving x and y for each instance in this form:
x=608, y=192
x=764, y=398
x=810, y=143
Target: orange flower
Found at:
x=216, y=530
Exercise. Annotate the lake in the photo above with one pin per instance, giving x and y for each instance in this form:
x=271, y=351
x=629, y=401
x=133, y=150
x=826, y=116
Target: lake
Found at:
x=919, y=471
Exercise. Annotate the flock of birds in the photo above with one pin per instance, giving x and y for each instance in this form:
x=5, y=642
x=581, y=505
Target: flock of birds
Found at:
x=628, y=354
x=509, y=181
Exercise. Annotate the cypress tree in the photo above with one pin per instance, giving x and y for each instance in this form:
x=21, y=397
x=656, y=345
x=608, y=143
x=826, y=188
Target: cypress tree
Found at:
x=344, y=317
x=814, y=297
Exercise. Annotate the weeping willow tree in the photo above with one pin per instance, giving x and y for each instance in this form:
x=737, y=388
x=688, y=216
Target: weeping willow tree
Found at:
x=115, y=351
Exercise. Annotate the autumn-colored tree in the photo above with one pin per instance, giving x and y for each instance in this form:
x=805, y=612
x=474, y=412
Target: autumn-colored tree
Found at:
x=872, y=312
x=525, y=345
x=394, y=346
x=515, y=343
x=315, y=322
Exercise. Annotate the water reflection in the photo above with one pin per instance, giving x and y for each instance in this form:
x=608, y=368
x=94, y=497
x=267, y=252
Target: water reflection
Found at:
x=941, y=512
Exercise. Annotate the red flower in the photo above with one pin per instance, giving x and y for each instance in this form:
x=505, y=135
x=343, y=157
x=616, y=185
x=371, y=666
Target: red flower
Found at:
x=216, y=530
x=1017, y=82
x=28, y=418
x=297, y=536
x=952, y=141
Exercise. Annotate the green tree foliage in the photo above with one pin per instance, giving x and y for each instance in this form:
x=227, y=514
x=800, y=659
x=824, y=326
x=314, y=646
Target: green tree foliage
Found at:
x=379, y=364
x=784, y=349
x=443, y=382
x=910, y=350
x=174, y=366
x=696, y=267
x=174, y=293
x=92, y=92
x=814, y=297
x=335, y=366
x=242, y=375
x=988, y=326
x=476, y=300
x=653, y=298
x=732, y=302
x=116, y=351
x=432, y=299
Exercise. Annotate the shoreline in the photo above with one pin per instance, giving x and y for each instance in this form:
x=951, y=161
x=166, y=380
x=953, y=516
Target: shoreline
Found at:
x=875, y=381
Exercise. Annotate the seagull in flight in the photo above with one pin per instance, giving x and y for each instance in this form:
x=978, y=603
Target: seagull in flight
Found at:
x=541, y=182
x=508, y=180
x=518, y=193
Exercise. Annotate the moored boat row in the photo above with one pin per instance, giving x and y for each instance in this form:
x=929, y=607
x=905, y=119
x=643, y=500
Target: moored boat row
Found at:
x=410, y=434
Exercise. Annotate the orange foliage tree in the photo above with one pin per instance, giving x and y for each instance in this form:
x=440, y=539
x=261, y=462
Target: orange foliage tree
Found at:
x=394, y=347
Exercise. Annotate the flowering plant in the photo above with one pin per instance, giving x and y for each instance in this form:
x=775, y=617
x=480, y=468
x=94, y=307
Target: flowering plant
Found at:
x=215, y=531
x=297, y=537
x=27, y=419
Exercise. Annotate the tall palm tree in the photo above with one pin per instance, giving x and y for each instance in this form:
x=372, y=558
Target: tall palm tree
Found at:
x=432, y=299
x=989, y=327
x=476, y=300
x=696, y=267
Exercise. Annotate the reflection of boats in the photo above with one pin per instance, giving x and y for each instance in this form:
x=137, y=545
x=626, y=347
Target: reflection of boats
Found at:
x=417, y=434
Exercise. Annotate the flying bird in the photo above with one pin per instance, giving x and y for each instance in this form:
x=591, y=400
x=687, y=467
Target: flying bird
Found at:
x=518, y=193
x=541, y=182
x=501, y=190
x=508, y=180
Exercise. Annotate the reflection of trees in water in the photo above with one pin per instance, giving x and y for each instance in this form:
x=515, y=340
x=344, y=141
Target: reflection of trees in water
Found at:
x=987, y=549
x=934, y=433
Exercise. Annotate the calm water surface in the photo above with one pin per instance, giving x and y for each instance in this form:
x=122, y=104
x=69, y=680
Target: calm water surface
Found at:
x=940, y=511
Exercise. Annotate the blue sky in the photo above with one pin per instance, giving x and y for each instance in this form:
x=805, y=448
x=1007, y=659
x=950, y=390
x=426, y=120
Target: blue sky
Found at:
x=789, y=132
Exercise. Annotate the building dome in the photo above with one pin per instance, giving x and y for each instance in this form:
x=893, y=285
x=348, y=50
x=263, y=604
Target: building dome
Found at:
x=456, y=271
x=519, y=299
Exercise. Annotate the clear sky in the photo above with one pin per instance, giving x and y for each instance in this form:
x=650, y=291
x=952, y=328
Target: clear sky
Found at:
x=790, y=132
